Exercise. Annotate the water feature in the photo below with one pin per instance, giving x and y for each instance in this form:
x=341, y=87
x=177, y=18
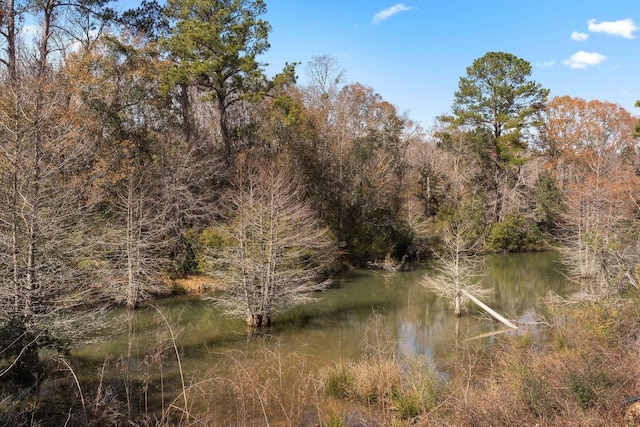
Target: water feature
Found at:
x=333, y=325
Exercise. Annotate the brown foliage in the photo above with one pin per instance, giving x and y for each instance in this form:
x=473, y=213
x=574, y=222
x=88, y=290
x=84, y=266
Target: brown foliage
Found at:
x=591, y=149
x=273, y=251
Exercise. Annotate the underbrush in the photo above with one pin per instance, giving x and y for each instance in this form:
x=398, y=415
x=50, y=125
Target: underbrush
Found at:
x=582, y=377
x=401, y=389
x=580, y=380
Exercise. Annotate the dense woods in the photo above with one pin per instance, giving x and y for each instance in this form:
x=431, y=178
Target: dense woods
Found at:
x=149, y=145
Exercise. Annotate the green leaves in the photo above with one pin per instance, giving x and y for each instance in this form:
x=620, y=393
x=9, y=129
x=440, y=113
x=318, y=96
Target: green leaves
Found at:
x=215, y=43
x=495, y=110
x=214, y=46
x=496, y=94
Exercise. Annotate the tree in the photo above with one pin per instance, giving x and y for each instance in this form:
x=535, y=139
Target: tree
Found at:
x=456, y=271
x=325, y=75
x=497, y=95
x=325, y=78
x=272, y=250
x=140, y=168
x=10, y=15
x=354, y=171
x=591, y=148
x=134, y=246
x=46, y=279
x=463, y=166
x=214, y=46
x=46, y=284
x=148, y=19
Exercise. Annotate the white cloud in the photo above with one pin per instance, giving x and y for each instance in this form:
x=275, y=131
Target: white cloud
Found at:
x=623, y=28
x=389, y=12
x=579, y=37
x=546, y=64
x=584, y=59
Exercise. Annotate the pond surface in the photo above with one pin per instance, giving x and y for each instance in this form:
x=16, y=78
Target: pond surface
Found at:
x=335, y=324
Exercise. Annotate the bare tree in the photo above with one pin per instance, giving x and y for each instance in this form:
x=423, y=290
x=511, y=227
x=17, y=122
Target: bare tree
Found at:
x=590, y=146
x=46, y=282
x=325, y=79
x=135, y=247
x=275, y=251
x=325, y=74
x=151, y=181
x=456, y=272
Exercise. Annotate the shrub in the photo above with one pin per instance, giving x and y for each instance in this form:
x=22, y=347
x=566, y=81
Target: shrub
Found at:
x=407, y=387
x=513, y=235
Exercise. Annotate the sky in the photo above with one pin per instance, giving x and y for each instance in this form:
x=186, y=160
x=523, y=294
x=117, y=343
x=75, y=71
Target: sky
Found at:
x=414, y=52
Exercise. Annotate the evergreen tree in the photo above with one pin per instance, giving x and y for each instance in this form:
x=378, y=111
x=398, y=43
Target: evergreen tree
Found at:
x=498, y=100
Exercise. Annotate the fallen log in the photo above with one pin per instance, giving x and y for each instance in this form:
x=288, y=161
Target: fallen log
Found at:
x=489, y=334
x=489, y=310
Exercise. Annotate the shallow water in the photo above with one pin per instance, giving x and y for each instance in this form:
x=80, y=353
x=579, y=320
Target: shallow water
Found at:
x=337, y=323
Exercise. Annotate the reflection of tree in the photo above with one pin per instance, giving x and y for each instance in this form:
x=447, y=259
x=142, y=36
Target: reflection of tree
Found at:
x=518, y=280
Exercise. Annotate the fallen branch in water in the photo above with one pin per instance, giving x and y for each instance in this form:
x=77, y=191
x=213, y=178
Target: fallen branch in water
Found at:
x=489, y=310
x=489, y=334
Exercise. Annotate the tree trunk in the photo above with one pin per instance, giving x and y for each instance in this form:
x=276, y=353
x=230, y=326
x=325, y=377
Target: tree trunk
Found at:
x=258, y=320
x=14, y=220
x=457, y=312
x=489, y=310
x=225, y=133
x=187, y=119
x=10, y=37
x=43, y=48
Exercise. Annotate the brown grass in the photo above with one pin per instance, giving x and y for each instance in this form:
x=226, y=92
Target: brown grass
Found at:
x=196, y=284
x=582, y=380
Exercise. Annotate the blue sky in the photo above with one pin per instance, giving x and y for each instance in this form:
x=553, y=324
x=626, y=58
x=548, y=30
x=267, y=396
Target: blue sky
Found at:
x=413, y=52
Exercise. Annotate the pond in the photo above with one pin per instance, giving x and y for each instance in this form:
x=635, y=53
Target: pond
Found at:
x=333, y=326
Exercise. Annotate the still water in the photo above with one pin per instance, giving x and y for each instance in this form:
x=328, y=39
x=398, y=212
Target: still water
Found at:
x=334, y=324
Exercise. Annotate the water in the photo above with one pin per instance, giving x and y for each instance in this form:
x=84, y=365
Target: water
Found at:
x=335, y=324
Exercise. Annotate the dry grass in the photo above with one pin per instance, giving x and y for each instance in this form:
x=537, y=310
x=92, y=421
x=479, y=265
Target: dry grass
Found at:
x=581, y=381
x=396, y=390
x=581, y=378
x=196, y=284
x=266, y=387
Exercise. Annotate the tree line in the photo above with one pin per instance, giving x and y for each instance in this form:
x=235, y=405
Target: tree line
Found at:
x=149, y=144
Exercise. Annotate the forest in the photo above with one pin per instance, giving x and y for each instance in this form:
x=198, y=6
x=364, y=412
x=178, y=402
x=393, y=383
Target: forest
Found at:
x=142, y=147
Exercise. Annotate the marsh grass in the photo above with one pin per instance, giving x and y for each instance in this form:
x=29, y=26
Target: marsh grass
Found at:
x=400, y=388
x=264, y=387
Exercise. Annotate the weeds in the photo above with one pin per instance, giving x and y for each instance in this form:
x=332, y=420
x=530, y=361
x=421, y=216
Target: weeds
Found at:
x=580, y=382
x=402, y=387
x=338, y=380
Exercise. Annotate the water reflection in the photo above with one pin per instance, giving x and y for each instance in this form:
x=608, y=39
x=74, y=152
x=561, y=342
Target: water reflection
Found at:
x=333, y=326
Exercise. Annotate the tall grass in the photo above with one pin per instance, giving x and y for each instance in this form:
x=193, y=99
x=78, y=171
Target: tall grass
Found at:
x=581, y=381
x=400, y=388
